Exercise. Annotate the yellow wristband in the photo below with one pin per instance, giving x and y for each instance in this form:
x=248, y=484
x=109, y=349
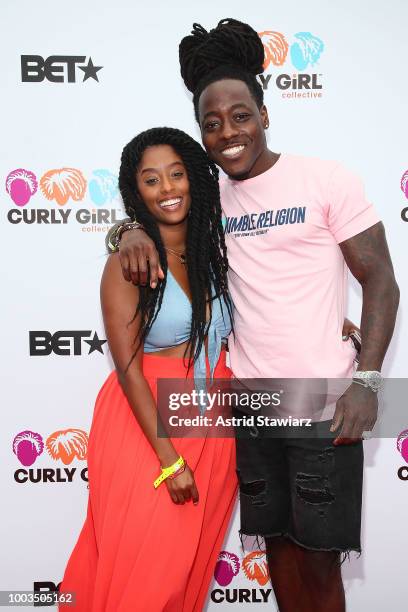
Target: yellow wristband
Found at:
x=168, y=471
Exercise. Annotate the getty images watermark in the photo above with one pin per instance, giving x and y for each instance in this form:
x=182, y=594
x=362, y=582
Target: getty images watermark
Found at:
x=222, y=402
x=218, y=408
x=295, y=407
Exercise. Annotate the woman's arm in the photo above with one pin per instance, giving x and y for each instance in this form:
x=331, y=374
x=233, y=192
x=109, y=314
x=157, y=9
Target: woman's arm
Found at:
x=119, y=300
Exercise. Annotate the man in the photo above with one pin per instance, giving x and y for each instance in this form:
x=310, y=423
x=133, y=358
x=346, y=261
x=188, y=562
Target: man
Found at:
x=293, y=224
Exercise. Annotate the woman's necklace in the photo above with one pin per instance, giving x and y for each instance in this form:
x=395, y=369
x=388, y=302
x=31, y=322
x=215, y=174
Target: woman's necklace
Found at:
x=180, y=256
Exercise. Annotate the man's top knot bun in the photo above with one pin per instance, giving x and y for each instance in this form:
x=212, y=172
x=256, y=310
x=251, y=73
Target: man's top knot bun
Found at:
x=231, y=43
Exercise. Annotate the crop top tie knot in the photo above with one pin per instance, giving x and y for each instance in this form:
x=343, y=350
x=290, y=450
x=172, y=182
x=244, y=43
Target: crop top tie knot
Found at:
x=173, y=324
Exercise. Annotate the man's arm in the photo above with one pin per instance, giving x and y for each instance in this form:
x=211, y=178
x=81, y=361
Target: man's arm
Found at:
x=368, y=259
x=111, y=241
x=138, y=255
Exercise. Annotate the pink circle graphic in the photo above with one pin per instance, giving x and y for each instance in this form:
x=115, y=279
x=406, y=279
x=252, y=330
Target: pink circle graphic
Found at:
x=21, y=184
x=402, y=444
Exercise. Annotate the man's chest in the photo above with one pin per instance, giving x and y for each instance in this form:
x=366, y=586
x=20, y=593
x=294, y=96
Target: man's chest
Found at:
x=288, y=224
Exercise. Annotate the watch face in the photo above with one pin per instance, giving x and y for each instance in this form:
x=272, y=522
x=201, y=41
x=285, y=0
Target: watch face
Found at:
x=371, y=379
x=374, y=380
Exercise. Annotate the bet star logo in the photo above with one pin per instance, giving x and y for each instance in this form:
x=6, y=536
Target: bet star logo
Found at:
x=64, y=343
x=57, y=68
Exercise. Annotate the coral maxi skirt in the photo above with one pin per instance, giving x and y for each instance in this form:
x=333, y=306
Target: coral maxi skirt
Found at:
x=137, y=550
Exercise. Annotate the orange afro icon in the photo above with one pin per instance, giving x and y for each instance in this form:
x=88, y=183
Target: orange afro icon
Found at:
x=67, y=444
x=61, y=184
x=275, y=46
x=255, y=567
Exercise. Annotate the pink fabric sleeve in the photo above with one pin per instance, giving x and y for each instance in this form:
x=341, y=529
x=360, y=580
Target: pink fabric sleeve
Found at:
x=348, y=211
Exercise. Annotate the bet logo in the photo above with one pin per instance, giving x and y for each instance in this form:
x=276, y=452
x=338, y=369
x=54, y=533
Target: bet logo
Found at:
x=57, y=68
x=63, y=343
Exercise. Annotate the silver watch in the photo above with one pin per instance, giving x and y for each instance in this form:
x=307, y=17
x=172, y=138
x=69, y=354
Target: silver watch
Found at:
x=371, y=379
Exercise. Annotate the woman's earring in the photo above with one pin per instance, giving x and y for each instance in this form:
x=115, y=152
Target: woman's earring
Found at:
x=266, y=125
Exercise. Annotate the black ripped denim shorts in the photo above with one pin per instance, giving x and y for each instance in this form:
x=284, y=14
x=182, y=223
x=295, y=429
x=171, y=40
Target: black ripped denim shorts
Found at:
x=300, y=487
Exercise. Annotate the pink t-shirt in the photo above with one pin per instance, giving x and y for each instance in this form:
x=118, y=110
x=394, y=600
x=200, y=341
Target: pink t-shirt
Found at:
x=288, y=277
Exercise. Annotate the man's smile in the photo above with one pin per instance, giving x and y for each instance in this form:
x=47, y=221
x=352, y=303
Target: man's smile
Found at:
x=233, y=151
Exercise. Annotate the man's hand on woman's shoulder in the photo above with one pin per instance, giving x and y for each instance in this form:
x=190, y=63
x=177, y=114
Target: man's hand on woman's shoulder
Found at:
x=138, y=256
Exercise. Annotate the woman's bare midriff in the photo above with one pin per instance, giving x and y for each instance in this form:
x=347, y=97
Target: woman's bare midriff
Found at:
x=173, y=351
x=178, y=350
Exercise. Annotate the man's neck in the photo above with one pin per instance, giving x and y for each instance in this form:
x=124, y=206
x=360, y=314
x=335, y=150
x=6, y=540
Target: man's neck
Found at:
x=264, y=162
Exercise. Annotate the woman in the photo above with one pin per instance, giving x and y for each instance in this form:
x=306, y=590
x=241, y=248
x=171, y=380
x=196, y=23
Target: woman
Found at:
x=141, y=547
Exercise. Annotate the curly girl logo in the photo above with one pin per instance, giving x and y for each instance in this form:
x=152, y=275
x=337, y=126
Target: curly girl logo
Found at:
x=21, y=184
x=67, y=444
x=227, y=567
x=402, y=444
x=404, y=189
x=62, y=184
x=103, y=187
x=402, y=447
x=275, y=47
x=404, y=183
x=27, y=446
x=255, y=567
x=305, y=51
x=64, y=445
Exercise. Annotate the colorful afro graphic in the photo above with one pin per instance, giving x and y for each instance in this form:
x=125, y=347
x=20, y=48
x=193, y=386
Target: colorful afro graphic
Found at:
x=275, y=47
x=21, y=184
x=62, y=184
x=27, y=446
x=404, y=184
x=67, y=444
x=402, y=444
x=255, y=567
x=103, y=187
x=306, y=51
x=227, y=567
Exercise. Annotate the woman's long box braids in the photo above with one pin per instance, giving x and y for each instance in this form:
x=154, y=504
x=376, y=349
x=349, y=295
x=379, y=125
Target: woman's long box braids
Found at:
x=206, y=255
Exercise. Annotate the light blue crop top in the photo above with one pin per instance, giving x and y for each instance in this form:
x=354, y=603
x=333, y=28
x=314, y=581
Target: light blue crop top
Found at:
x=173, y=323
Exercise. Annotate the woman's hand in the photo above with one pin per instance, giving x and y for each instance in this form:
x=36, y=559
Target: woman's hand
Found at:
x=139, y=257
x=183, y=488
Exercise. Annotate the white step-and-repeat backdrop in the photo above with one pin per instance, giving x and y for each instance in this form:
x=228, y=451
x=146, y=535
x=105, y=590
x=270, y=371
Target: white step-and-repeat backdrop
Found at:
x=79, y=80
